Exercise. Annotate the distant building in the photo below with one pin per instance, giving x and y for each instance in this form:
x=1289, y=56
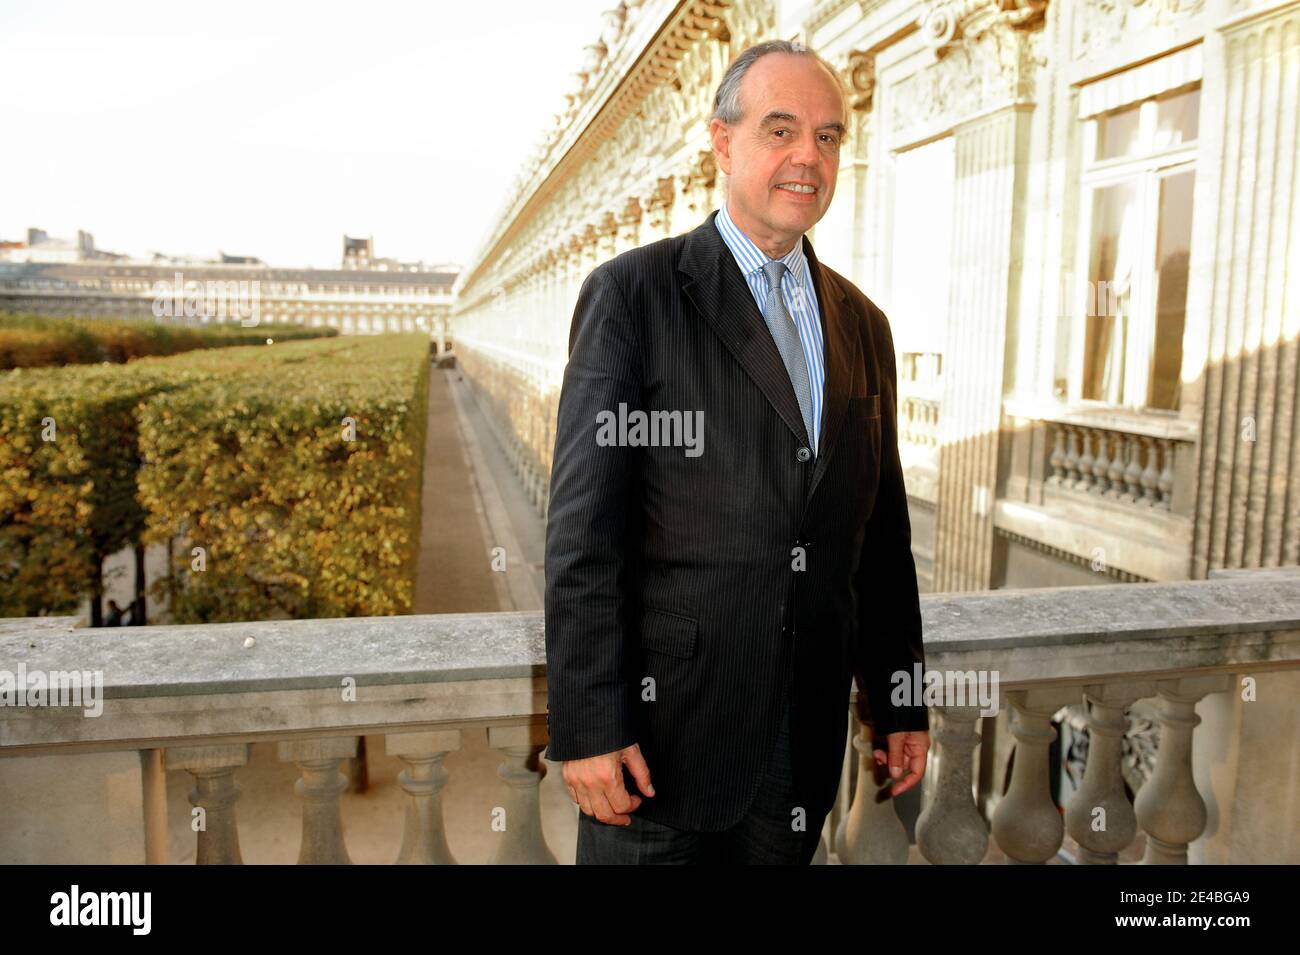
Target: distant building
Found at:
x=353, y=300
x=42, y=247
x=240, y=259
x=357, y=253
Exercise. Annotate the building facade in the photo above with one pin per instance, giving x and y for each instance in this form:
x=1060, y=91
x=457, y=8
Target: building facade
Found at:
x=1079, y=217
x=354, y=299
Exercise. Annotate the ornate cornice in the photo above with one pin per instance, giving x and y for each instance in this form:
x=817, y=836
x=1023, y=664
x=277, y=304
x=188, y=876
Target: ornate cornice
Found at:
x=951, y=21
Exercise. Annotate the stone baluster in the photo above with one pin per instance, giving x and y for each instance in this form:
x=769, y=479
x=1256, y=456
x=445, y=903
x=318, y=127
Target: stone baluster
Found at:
x=1085, y=461
x=1101, y=464
x=1133, y=470
x=320, y=787
x=1057, y=459
x=1150, y=474
x=1026, y=823
x=520, y=817
x=1100, y=817
x=1071, y=455
x=951, y=830
x=1165, y=485
x=871, y=832
x=424, y=836
x=1169, y=809
x=215, y=794
x=1115, y=475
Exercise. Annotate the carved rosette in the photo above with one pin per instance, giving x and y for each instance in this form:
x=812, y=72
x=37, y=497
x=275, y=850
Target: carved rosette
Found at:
x=861, y=77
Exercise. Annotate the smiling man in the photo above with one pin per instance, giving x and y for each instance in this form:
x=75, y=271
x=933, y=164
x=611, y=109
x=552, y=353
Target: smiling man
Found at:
x=705, y=615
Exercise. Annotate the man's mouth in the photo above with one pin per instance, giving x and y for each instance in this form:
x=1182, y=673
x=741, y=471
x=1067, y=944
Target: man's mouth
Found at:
x=799, y=188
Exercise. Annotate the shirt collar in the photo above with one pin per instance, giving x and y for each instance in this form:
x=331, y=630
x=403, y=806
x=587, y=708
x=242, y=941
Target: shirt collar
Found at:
x=750, y=257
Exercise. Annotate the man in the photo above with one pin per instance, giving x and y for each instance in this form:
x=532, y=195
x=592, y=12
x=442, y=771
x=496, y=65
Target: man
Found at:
x=114, y=618
x=708, y=601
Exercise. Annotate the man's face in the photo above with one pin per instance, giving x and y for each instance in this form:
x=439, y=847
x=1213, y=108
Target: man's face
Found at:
x=791, y=127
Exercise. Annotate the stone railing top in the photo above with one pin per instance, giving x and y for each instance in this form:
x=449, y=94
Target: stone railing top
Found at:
x=183, y=682
x=199, y=659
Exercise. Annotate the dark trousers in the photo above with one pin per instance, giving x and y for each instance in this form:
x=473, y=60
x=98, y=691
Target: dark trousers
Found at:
x=770, y=833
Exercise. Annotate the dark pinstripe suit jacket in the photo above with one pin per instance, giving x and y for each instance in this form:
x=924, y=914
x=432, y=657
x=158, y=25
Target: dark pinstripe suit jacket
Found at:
x=676, y=600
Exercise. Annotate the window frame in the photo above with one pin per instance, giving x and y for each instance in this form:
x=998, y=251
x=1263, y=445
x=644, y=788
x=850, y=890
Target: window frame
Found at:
x=1145, y=169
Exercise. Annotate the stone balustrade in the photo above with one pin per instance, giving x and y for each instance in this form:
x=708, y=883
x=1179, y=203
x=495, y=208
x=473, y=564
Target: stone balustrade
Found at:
x=920, y=387
x=1123, y=466
x=195, y=697
x=918, y=420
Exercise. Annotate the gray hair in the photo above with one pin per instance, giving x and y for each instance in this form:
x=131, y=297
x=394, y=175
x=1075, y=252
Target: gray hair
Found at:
x=726, y=104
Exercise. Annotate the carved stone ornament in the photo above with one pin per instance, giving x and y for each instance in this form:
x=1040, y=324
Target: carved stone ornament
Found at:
x=985, y=57
x=947, y=22
x=1101, y=24
x=861, y=76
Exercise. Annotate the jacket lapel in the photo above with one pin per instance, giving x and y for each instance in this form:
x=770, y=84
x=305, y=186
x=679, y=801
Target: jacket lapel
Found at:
x=715, y=285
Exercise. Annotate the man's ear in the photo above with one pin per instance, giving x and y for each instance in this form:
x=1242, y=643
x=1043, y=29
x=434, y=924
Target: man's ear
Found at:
x=721, y=137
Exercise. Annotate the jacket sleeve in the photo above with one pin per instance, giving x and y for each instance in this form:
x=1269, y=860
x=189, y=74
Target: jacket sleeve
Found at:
x=888, y=599
x=589, y=702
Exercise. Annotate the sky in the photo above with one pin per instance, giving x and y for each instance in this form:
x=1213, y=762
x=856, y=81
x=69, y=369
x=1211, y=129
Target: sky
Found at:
x=273, y=128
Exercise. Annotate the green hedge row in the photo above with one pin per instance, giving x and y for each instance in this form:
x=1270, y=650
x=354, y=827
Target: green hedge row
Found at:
x=37, y=341
x=246, y=453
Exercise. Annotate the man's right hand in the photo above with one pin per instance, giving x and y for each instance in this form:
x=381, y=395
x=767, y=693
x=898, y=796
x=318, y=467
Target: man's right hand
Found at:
x=596, y=784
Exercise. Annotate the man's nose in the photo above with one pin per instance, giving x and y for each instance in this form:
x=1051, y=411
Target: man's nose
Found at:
x=805, y=151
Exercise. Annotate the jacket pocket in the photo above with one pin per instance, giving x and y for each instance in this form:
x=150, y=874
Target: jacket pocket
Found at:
x=865, y=406
x=669, y=633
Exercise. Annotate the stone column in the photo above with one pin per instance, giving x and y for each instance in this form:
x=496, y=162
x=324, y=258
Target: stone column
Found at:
x=424, y=837
x=215, y=794
x=951, y=830
x=871, y=833
x=320, y=787
x=1026, y=823
x=1100, y=817
x=1169, y=808
x=1243, y=317
x=521, y=841
x=153, y=786
x=989, y=154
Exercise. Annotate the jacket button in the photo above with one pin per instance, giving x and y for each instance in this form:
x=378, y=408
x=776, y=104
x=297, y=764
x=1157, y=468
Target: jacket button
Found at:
x=803, y=454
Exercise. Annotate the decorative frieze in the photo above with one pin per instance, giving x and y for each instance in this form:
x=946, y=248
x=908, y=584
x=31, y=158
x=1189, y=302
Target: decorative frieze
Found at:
x=985, y=58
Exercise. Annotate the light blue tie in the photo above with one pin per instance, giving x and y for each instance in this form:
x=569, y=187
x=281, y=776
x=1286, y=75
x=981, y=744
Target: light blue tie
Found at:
x=788, y=343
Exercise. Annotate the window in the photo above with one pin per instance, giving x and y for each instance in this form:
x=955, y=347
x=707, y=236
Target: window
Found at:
x=1134, y=243
x=920, y=265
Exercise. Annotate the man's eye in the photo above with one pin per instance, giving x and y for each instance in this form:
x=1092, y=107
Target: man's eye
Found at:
x=779, y=131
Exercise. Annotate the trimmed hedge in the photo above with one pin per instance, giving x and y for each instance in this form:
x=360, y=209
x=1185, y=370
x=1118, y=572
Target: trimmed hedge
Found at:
x=36, y=341
x=68, y=463
x=242, y=452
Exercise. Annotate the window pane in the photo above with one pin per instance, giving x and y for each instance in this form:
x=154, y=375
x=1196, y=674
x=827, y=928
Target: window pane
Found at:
x=1173, y=249
x=1117, y=133
x=1115, y=228
x=1178, y=119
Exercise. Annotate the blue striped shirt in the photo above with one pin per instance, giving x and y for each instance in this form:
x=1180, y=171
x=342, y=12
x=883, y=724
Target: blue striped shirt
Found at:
x=798, y=294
